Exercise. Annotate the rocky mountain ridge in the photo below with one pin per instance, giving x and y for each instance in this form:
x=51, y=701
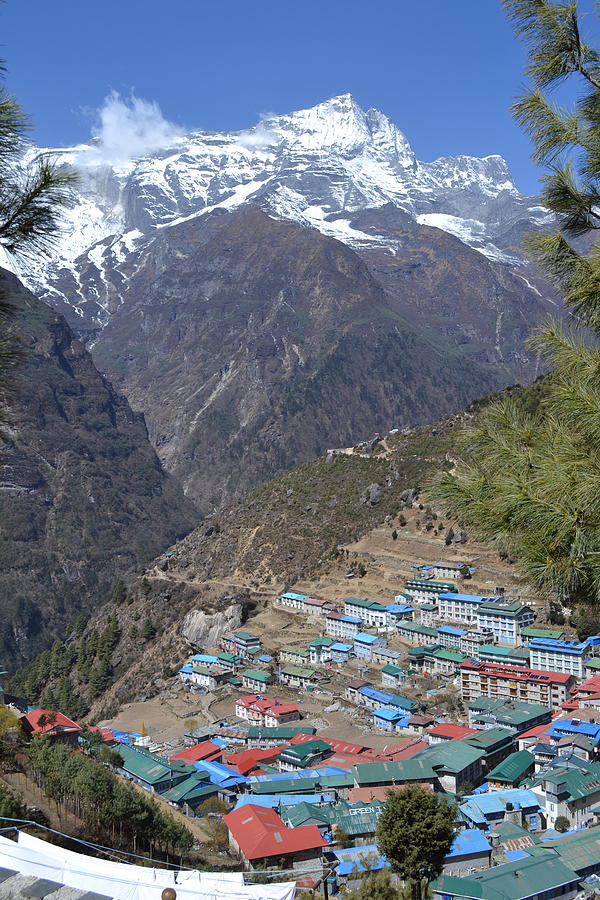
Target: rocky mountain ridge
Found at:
x=83, y=496
x=263, y=295
x=318, y=167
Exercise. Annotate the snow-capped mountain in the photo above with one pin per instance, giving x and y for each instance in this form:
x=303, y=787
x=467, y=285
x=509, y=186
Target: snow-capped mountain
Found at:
x=318, y=167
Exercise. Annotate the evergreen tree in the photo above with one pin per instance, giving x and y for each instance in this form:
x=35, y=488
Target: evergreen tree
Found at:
x=415, y=831
x=119, y=592
x=530, y=480
x=31, y=199
x=149, y=630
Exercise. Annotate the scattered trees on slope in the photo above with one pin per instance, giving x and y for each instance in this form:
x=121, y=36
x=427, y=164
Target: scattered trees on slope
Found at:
x=112, y=809
x=530, y=480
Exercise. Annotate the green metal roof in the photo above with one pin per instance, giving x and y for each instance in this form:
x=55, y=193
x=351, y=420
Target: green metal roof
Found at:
x=580, y=851
x=365, y=603
x=391, y=669
x=253, y=675
x=512, y=881
x=451, y=655
x=416, y=628
x=190, y=789
x=451, y=756
x=297, y=815
x=578, y=783
x=514, y=768
x=322, y=642
x=414, y=769
x=309, y=785
x=301, y=754
x=296, y=651
x=531, y=631
x=489, y=738
x=279, y=732
x=352, y=818
x=593, y=663
x=512, y=610
x=496, y=650
x=151, y=768
x=298, y=672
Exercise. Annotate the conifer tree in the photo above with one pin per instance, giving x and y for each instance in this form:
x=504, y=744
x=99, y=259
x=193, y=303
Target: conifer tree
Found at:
x=415, y=832
x=32, y=195
x=530, y=481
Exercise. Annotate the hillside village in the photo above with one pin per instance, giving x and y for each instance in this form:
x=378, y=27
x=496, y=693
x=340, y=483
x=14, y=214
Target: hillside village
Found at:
x=463, y=694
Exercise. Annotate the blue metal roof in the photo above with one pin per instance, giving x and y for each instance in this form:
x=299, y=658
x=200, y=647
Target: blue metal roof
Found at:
x=513, y=855
x=305, y=773
x=219, y=774
x=576, y=648
x=291, y=595
x=354, y=620
x=205, y=657
x=365, y=638
x=187, y=669
x=398, y=608
x=343, y=648
x=352, y=859
x=568, y=727
x=385, y=698
x=272, y=801
x=448, y=629
x=471, y=840
x=477, y=807
x=390, y=714
x=466, y=598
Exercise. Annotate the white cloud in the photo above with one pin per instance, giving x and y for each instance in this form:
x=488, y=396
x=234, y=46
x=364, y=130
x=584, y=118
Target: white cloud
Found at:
x=127, y=128
x=261, y=136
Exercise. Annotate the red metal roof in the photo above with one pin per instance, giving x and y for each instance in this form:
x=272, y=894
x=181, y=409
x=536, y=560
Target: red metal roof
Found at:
x=536, y=731
x=260, y=833
x=452, y=732
x=344, y=746
x=247, y=760
x=262, y=704
x=283, y=709
x=404, y=750
x=517, y=674
x=58, y=722
x=301, y=738
x=205, y=750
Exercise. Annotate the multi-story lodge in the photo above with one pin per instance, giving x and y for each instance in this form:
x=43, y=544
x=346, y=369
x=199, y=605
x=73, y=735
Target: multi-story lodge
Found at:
x=421, y=590
x=532, y=685
x=372, y=614
x=341, y=626
x=563, y=656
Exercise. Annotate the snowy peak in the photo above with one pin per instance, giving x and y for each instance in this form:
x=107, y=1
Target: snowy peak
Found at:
x=490, y=173
x=320, y=167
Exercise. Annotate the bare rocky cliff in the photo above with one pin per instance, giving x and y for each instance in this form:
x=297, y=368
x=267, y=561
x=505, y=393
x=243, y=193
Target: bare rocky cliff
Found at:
x=83, y=496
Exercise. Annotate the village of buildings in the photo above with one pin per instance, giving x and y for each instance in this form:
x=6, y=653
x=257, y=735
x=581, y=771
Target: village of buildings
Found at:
x=462, y=694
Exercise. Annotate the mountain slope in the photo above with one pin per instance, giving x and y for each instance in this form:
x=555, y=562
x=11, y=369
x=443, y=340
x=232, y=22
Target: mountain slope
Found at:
x=238, y=287
x=83, y=496
x=253, y=344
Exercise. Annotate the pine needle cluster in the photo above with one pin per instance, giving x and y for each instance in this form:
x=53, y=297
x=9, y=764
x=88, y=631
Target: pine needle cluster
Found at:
x=530, y=482
x=34, y=189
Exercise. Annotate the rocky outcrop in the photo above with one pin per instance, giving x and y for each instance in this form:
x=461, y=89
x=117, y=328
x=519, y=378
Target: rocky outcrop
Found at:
x=201, y=629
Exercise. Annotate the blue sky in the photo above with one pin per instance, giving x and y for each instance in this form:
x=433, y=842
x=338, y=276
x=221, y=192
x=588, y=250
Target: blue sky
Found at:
x=444, y=71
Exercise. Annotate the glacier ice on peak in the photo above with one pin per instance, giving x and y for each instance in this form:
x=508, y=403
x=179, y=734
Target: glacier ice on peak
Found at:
x=319, y=166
